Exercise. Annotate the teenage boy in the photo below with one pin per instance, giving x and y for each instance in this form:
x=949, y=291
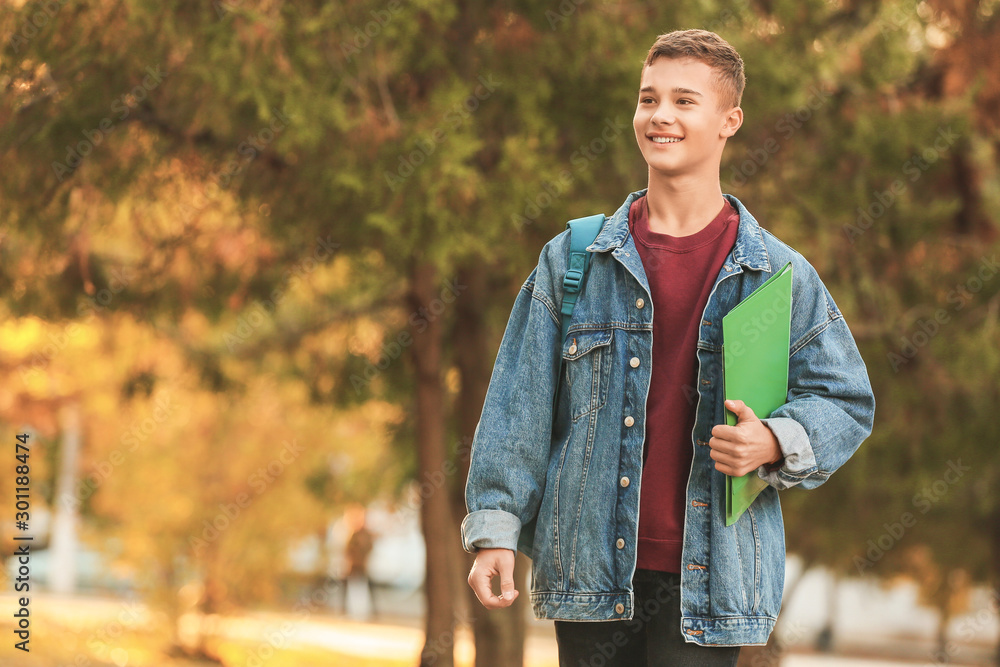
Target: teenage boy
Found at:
x=660, y=577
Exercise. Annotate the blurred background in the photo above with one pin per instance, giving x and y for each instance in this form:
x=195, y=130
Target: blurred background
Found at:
x=256, y=259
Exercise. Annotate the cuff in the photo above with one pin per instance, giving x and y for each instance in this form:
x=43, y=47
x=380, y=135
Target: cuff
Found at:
x=798, y=460
x=490, y=529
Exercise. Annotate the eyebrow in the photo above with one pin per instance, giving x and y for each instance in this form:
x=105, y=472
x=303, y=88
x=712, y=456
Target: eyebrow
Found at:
x=682, y=91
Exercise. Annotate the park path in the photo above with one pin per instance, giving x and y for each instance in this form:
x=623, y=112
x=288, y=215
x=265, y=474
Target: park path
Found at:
x=395, y=639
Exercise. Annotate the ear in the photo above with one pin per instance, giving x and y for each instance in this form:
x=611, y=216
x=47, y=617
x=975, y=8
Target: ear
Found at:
x=733, y=121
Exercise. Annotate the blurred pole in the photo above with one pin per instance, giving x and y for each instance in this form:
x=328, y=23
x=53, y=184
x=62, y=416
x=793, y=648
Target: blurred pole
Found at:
x=824, y=641
x=63, y=540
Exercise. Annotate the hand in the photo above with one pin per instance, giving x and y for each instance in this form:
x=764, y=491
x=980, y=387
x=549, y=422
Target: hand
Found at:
x=745, y=447
x=489, y=563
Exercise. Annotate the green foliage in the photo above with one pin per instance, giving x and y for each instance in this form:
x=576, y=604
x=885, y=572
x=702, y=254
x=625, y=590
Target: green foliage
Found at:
x=258, y=212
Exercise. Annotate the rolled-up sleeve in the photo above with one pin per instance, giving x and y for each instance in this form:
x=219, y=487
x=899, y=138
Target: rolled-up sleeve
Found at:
x=511, y=443
x=830, y=407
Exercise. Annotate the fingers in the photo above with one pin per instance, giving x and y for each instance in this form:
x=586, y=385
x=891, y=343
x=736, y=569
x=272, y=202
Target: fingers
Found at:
x=490, y=563
x=729, y=459
x=741, y=410
x=729, y=433
x=507, y=591
x=728, y=446
x=723, y=461
x=738, y=444
x=727, y=469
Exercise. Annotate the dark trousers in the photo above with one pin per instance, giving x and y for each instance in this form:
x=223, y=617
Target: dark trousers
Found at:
x=651, y=637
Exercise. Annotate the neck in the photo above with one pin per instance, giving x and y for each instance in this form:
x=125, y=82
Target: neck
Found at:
x=682, y=208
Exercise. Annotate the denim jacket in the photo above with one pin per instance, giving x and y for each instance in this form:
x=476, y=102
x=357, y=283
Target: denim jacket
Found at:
x=564, y=487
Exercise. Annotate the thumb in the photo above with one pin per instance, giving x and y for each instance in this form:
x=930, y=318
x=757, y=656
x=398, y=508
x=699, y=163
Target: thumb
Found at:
x=507, y=590
x=741, y=410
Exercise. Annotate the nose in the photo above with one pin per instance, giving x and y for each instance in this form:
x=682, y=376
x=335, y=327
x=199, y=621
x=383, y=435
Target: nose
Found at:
x=664, y=115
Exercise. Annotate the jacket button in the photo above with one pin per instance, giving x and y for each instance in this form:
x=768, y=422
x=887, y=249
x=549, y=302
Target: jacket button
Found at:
x=639, y=303
x=619, y=608
x=572, y=348
x=634, y=362
x=629, y=421
x=620, y=543
x=624, y=481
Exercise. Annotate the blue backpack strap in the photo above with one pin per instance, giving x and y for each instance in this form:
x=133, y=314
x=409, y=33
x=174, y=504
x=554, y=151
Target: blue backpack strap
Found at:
x=582, y=233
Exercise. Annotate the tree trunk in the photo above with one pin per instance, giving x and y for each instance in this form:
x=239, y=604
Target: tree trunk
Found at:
x=435, y=510
x=499, y=634
x=954, y=69
x=996, y=569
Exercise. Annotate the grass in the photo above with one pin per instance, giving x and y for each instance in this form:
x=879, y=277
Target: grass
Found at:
x=53, y=643
x=59, y=649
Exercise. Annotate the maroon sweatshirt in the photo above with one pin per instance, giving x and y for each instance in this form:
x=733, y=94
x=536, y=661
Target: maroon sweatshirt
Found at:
x=681, y=271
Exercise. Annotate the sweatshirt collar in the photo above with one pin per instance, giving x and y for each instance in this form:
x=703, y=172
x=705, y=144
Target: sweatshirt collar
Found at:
x=749, y=249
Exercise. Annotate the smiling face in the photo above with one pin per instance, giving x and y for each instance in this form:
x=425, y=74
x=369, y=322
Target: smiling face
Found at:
x=678, y=123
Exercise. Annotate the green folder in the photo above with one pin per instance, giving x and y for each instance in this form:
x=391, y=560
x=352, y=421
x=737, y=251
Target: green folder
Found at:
x=755, y=340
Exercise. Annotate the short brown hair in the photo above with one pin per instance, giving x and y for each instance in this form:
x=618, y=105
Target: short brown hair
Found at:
x=710, y=49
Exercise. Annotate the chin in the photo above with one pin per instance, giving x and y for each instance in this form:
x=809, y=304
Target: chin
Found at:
x=665, y=167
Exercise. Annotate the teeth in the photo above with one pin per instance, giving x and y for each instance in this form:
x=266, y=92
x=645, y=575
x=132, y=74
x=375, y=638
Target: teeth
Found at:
x=665, y=140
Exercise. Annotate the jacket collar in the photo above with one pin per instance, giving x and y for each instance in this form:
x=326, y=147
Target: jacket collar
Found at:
x=749, y=249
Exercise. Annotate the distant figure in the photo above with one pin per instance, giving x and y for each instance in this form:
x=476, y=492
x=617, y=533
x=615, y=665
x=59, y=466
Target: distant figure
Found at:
x=359, y=597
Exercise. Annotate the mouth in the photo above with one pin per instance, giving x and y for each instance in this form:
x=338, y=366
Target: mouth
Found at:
x=664, y=139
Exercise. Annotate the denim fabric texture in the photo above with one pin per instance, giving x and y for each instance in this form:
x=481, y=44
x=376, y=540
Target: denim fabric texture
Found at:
x=651, y=638
x=564, y=487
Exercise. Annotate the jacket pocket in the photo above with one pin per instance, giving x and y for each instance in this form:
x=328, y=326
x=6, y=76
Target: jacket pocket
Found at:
x=587, y=360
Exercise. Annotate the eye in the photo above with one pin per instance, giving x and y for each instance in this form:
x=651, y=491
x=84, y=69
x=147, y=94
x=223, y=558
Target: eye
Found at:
x=645, y=99
x=685, y=100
